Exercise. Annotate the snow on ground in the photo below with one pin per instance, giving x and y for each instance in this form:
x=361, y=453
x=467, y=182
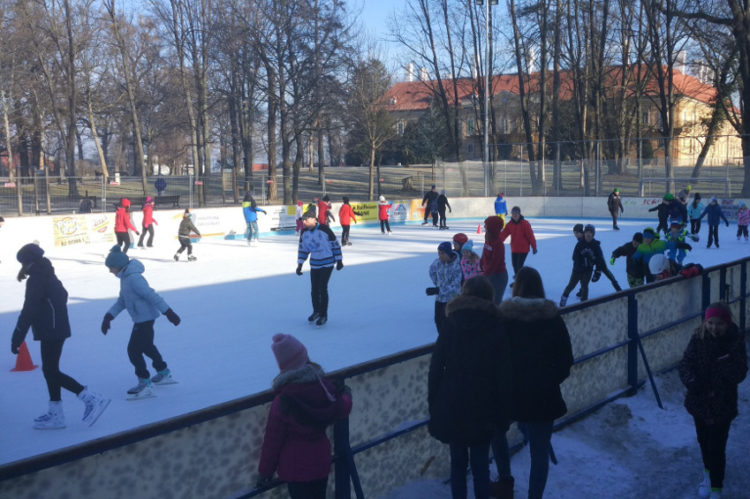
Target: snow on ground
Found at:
x=235, y=297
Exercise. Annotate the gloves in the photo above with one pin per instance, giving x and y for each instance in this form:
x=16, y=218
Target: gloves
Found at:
x=299, y=270
x=339, y=265
x=596, y=276
x=432, y=291
x=612, y=261
x=22, y=275
x=534, y=251
x=172, y=317
x=106, y=322
x=727, y=223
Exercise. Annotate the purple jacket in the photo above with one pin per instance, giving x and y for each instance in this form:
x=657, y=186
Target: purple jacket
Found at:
x=295, y=444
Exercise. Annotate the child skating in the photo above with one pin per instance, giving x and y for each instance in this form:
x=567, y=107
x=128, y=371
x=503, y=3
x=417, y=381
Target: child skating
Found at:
x=250, y=211
x=442, y=204
x=715, y=215
x=714, y=363
x=445, y=273
x=148, y=223
x=122, y=224
x=346, y=216
x=584, y=259
x=521, y=238
x=183, y=235
x=662, y=213
x=470, y=263
x=743, y=220
x=144, y=306
x=45, y=311
x=694, y=211
x=633, y=269
x=383, y=207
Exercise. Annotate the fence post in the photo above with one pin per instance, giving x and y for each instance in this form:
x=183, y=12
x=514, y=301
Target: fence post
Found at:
x=706, y=292
x=632, y=344
x=723, y=289
x=341, y=449
x=743, y=292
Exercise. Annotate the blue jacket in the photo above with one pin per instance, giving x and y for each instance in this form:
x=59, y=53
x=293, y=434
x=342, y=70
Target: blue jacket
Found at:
x=321, y=245
x=694, y=212
x=676, y=247
x=250, y=211
x=142, y=302
x=500, y=207
x=713, y=210
x=45, y=307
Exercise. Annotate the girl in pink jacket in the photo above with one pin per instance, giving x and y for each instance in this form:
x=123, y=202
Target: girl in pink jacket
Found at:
x=743, y=220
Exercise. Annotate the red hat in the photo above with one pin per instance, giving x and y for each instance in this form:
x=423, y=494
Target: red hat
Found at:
x=494, y=225
x=125, y=202
x=719, y=312
x=289, y=352
x=460, y=238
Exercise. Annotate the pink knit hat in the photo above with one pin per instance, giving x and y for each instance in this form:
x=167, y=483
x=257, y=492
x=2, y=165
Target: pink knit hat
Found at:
x=289, y=352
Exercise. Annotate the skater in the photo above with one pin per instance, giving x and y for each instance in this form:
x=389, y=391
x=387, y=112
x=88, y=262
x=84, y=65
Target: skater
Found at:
x=148, y=223
x=714, y=363
x=346, y=215
x=317, y=241
x=86, y=205
x=501, y=207
x=743, y=219
x=713, y=210
x=493, y=256
x=650, y=246
x=305, y=403
x=324, y=211
x=614, y=204
x=584, y=259
x=662, y=213
x=469, y=385
x=633, y=269
x=677, y=212
x=446, y=276
x=383, y=207
x=694, y=213
x=45, y=311
x=683, y=195
x=470, y=263
x=144, y=306
x=442, y=203
x=429, y=203
x=122, y=224
x=541, y=358
x=250, y=211
x=183, y=235
x=298, y=217
x=676, y=246
x=601, y=265
x=521, y=238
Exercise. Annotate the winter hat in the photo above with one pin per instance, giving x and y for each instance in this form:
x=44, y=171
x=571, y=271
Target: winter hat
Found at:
x=299, y=202
x=445, y=247
x=697, y=195
x=381, y=198
x=589, y=228
x=148, y=199
x=638, y=237
x=617, y=191
x=289, y=352
x=578, y=228
x=326, y=198
x=669, y=197
x=187, y=213
x=29, y=253
x=116, y=258
x=468, y=246
x=713, y=199
x=460, y=238
x=649, y=233
x=125, y=202
x=658, y=264
x=494, y=225
x=719, y=312
x=442, y=192
x=345, y=199
x=309, y=214
x=515, y=209
x=500, y=194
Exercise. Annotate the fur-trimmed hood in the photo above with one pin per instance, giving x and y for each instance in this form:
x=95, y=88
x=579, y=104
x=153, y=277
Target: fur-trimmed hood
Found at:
x=470, y=303
x=528, y=309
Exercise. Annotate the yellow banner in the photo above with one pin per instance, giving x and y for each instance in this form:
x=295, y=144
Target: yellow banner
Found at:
x=70, y=230
x=366, y=211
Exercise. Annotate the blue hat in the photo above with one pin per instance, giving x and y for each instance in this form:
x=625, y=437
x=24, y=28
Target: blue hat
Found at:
x=116, y=258
x=29, y=253
x=468, y=246
x=445, y=247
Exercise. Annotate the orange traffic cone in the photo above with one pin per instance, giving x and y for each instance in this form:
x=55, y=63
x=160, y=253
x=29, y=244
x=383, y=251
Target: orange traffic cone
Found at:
x=479, y=229
x=23, y=359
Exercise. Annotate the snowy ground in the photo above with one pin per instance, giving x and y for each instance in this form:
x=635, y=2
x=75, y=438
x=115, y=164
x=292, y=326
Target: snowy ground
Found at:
x=235, y=297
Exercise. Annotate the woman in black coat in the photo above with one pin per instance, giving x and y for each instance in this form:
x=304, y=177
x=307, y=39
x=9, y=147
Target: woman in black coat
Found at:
x=541, y=358
x=469, y=383
x=45, y=310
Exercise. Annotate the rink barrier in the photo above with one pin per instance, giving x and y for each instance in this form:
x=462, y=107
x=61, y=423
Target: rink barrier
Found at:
x=384, y=443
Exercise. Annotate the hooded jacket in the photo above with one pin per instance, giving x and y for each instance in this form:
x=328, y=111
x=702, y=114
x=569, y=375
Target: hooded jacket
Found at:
x=447, y=277
x=614, y=203
x=186, y=227
x=493, y=253
x=141, y=301
x=541, y=357
x=632, y=267
x=45, y=305
x=713, y=210
x=470, y=377
x=148, y=214
x=347, y=214
x=295, y=442
x=521, y=235
x=122, y=220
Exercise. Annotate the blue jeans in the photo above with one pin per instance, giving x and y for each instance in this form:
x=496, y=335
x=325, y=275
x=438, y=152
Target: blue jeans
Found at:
x=538, y=434
x=479, y=455
x=252, y=230
x=499, y=282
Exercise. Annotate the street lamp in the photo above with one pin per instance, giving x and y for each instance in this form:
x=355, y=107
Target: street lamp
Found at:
x=486, y=154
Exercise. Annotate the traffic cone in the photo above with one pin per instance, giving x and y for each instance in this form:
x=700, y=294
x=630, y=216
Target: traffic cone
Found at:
x=479, y=229
x=23, y=359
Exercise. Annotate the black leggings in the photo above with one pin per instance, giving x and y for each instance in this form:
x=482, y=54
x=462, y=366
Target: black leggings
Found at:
x=695, y=225
x=308, y=490
x=185, y=243
x=517, y=260
x=713, y=443
x=142, y=342
x=713, y=234
x=123, y=240
x=582, y=276
x=663, y=227
x=319, y=289
x=742, y=231
x=150, y=230
x=385, y=226
x=443, y=220
x=51, y=352
x=344, y=234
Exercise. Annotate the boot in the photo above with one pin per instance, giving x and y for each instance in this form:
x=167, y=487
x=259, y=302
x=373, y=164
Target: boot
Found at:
x=95, y=405
x=704, y=489
x=503, y=488
x=54, y=419
x=563, y=300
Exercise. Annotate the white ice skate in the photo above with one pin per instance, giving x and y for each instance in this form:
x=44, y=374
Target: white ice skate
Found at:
x=142, y=390
x=163, y=377
x=192, y=258
x=53, y=420
x=95, y=405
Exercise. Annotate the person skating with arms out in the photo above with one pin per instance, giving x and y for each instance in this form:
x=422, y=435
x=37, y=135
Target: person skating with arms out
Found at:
x=584, y=259
x=442, y=204
x=445, y=273
x=633, y=269
x=713, y=210
x=383, y=207
x=122, y=224
x=250, y=211
x=45, y=311
x=662, y=213
x=501, y=206
x=601, y=265
x=694, y=211
x=614, y=205
x=144, y=305
x=183, y=236
x=319, y=243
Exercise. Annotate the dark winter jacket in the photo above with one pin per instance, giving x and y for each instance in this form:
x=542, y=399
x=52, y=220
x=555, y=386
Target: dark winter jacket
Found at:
x=713, y=210
x=295, y=442
x=632, y=267
x=541, y=357
x=186, y=227
x=711, y=368
x=442, y=202
x=469, y=377
x=521, y=235
x=586, y=255
x=45, y=306
x=614, y=203
x=428, y=201
x=677, y=212
x=662, y=211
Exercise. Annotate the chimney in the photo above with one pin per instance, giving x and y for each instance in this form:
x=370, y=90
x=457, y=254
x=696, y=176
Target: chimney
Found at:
x=410, y=72
x=680, y=61
x=423, y=75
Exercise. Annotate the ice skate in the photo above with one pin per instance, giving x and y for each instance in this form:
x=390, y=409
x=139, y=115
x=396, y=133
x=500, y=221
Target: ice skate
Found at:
x=163, y=377
x=321, y=321
x=142, y=390
x=53, y=420
x=349, y=244
x=563, y=300
x=95, y=405
x=313, y=317
x=192, y=258
x=704, y=488
x=176, y=257
x=425, y=222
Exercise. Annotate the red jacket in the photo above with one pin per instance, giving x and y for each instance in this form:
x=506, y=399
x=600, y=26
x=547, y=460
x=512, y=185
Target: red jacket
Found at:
x=493, y=257
x=521, y=236
x=297, y=450
x=323, y=207
x=383, y=209
x=346, y=215
x=122, y=221
x=148, y=215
